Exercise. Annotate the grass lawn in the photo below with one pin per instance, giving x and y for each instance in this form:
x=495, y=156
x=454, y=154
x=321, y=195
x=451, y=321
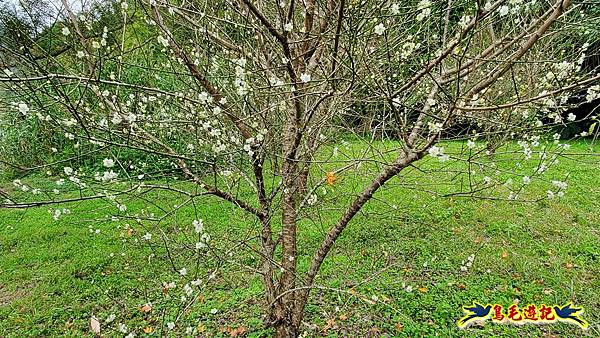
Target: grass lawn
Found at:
x=54, y=275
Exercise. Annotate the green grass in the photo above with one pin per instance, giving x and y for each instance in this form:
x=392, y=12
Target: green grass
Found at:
x=55, y=274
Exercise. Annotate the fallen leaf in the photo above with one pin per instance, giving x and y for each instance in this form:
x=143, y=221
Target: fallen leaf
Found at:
x=69, y=324
x=148, y=329
x=461, y=286
x=238, y=331
x=201, y=328
x=95, y=325
x=399, y=327
x=146, y=308
x=343, y=316
x=331, y=178
x=130, y=232
x=423, y=289
x=504, y=254
x=569, y=266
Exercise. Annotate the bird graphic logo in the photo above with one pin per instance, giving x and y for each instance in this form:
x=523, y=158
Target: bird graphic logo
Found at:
x=529, y=314
x=569, y=314
x=474, y=313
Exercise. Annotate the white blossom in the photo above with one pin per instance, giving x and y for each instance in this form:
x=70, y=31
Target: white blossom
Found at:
x=198, y=226
x=23, y=108
x=379, y=29
x=305, y=77
x=108, y=162
x=163, y=41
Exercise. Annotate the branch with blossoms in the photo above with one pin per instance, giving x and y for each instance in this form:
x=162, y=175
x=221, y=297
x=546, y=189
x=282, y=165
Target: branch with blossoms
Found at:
x=251, y=103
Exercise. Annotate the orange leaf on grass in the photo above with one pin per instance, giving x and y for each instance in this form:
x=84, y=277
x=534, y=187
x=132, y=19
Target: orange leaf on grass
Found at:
x=331, y=178
x=146, y=308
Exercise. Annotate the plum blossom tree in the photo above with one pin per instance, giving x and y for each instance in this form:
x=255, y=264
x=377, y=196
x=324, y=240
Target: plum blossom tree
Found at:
x=248, y=99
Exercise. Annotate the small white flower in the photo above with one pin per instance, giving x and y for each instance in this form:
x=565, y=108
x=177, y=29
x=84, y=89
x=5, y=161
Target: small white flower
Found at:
x=214, y=311
x=124, y=5
x=80, y=54
x=560, y=185
x=183, y=271
x=65, y=31
x=395, y=9
x=68, y=170
x=163, y=41
x=526, y=180
x=503, y=10
x=470, y=144
x=288, y=27
x=305, y=77
x=550, y=194
x=108, y=162
x=198, y=226
x=23, y=108
x=571, y=117
x=95, y=44
x=379, y=29
x=171, y=325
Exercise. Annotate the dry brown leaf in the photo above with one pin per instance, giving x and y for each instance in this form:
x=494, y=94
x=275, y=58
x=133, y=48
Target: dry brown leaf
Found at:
x=343, y=316
x=146, y=308
x=148, y=329
x=331, y=178
x=423, y=289
x=94, y=324
x=201, y=328
x=399, y=326
x=238, y=331
x=504, y=254
x=569, y=265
